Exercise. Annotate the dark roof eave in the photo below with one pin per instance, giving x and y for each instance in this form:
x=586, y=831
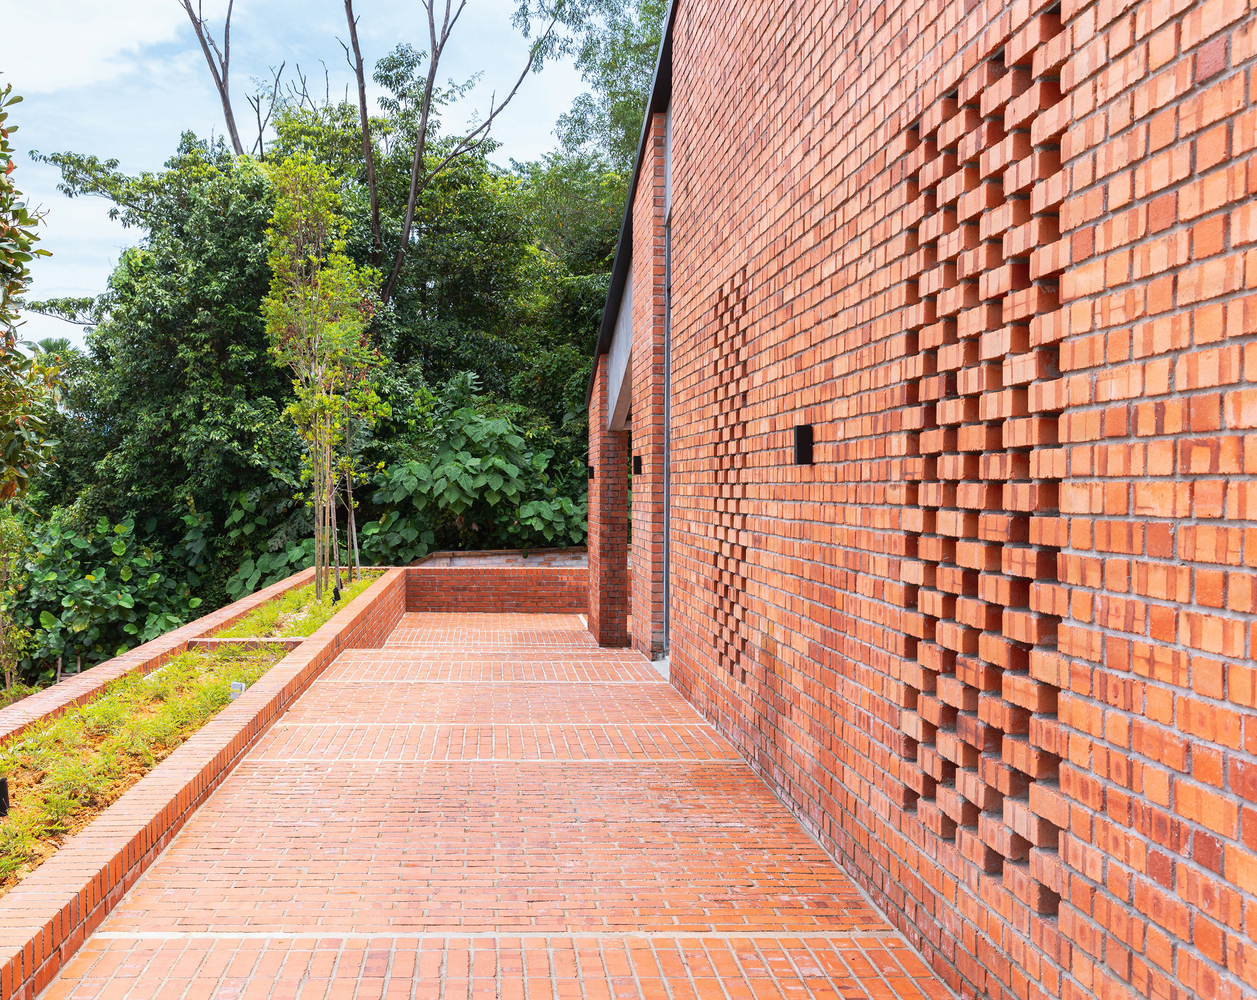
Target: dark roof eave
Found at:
x=660, y=98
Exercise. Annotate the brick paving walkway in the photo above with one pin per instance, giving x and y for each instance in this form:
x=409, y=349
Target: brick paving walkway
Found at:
x=491, y=806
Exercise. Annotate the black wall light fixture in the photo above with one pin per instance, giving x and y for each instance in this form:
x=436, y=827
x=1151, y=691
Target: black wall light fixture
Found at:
x=637, y=465
x=589, y=470
x=803, y=444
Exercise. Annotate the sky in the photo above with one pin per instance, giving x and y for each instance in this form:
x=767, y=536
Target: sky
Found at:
x=123, y=79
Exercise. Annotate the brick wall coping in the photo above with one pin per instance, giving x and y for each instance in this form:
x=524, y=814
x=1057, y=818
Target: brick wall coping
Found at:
x=47, y=916
x=576, y=555
x=82, y=688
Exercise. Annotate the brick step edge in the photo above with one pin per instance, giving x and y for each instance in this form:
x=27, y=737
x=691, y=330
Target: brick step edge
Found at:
x=81, y=688
x=46, y=917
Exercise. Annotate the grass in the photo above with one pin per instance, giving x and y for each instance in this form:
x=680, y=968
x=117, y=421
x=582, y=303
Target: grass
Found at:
x=16, y=693
x=295, y=613
x=65, y=771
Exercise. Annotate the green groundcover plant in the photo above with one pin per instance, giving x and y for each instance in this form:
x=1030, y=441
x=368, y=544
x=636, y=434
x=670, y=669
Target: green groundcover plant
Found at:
x=296, y=613
x=64, y=771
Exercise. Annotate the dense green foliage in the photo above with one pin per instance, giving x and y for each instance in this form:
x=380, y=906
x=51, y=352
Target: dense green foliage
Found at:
x=617, y=55
x=479, y=484
x=178, y=402
x=174, y=416
x=17, y=223
x=26, y=383
x=95, y=593
x=27, y=395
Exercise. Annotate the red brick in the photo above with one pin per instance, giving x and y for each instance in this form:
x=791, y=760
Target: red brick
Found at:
x=1016, y=327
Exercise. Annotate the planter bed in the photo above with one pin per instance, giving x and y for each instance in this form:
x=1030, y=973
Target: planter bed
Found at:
x=45, y=917
x=81, y=688
x=294, y=614
x=64, y=772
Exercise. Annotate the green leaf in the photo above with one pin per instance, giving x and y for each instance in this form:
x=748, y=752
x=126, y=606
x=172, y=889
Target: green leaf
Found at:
x=48, y=621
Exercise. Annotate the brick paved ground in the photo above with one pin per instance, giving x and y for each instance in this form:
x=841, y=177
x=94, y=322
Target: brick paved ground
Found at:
x=492, y=806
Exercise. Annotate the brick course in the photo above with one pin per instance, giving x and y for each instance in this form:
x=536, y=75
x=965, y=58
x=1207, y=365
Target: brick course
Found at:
x=995, y=648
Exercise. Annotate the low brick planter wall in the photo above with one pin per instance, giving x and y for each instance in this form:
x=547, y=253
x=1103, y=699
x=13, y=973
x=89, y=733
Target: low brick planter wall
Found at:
x=45, y=918
x=82, y=688
x=534, y=589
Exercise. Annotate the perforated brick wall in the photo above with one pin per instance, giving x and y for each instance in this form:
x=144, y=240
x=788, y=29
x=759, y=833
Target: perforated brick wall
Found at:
x=996, y=646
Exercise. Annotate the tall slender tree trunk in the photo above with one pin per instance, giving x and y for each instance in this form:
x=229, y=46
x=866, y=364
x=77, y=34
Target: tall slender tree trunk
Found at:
x=368, y=154
x=351, y=543
x=316, y=483
x=353, y=526
x=332, y=490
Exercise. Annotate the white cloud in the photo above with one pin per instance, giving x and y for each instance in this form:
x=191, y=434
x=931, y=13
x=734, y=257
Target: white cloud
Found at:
x=54, y=45
x=123, y=78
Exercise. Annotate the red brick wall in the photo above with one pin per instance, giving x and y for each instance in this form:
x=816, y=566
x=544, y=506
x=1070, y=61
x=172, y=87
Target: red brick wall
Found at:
x=608, y=521
x=532, y=589
x=646, y=597
x=996, y=646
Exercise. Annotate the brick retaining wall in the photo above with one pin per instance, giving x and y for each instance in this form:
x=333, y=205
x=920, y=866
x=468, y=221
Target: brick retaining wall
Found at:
x=561, y=589
x=497, y=588
x=45, y=918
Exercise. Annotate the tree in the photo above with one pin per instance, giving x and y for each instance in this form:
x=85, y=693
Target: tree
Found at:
x=26, y=384
x=573, y=203
x=422, y=173
x=176, y=400
x=177, y=408
x=219, y=62
x=317, y=311
x=17, y=224
x=15, y=641
x=617, y=56
x=53, y=346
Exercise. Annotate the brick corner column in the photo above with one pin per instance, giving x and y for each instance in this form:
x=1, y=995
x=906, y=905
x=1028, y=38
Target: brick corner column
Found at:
x=608, y=521
x=648, y=407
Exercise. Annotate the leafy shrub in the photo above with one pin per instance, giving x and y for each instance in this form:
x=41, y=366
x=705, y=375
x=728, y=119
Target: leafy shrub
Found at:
x=482, y=486
x=274, y=535
x=97, y=594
